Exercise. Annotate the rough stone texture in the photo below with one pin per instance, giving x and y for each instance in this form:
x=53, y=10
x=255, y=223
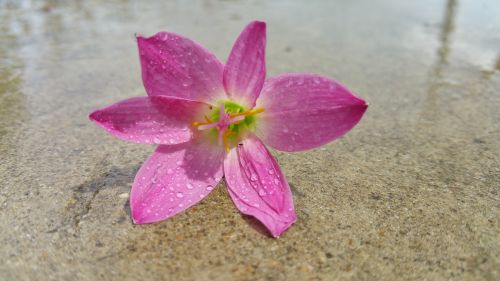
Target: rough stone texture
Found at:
x=411, y=193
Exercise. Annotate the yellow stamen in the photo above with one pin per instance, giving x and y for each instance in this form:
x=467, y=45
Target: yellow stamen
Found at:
x=249, y=112
x=225, y=137
x=195, y=123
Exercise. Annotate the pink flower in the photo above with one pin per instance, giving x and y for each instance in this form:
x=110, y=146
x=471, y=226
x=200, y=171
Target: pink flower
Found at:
x=211, y=120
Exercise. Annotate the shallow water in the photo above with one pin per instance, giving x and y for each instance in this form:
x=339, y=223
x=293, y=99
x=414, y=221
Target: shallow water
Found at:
x=412, y=191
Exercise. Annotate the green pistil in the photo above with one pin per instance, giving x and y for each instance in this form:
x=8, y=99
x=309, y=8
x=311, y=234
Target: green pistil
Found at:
x=231, y=107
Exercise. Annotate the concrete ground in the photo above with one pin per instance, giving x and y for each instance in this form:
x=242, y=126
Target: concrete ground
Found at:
x=412, y=193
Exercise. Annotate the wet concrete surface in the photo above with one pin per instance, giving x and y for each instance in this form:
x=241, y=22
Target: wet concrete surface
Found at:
x=411, y=193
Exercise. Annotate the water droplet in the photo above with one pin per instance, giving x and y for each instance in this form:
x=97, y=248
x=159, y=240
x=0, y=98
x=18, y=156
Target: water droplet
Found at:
x=209, y=188
x=253, y=177
x=270, y=171
x=262, y=192
x=189, y=186
x=156, y=140
x=148, y=211
x=202, y=195
x=179, y=195
x=181, y=205
x=276, y=181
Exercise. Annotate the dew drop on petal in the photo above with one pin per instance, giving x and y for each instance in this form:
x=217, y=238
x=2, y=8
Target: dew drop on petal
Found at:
x=210, y=187
x=271, y=171
x=179, y=195
x=189, y=186
x=253, y=177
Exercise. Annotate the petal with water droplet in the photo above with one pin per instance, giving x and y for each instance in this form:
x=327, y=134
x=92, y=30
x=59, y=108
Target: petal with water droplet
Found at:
x=150, y=120
x=245, y=70
x=168, y=70
x=304, y=111
x=274, y=206
x=184, y=187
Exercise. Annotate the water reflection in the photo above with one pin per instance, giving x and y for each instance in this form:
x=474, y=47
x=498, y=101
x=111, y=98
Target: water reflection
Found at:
x=443, y=53
x=12, y=99
x=447, y=28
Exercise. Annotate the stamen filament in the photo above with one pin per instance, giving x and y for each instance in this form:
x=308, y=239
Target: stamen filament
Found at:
x=249, y=112
x=225, y=140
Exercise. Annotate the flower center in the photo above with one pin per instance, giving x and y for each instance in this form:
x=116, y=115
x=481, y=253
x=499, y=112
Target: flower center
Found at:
x=229, y=121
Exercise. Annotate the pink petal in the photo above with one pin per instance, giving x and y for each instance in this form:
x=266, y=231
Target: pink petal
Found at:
x=258, y=187
x=173, y=179
x=304, y=111
x=245, y=71
x=151, y=120
x=173, y=65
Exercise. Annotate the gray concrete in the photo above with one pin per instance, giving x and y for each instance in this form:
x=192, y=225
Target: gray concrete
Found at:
x=411, y=193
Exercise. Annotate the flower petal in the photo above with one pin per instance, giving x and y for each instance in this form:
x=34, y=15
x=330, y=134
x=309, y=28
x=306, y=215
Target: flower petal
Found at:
x=173, y=65
x=245, y=70
x=258, y=187
x=304, y=111
x=173, y=179
x=151, y=120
